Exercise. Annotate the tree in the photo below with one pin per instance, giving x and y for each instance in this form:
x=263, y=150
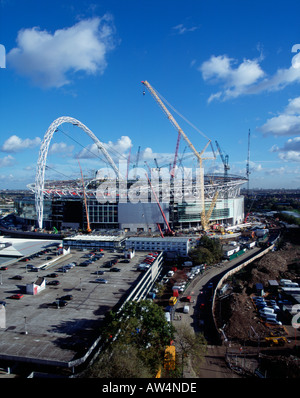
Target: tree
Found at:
x=138, y=331
x=209, y=251
x=189, y=346
x=120, y=361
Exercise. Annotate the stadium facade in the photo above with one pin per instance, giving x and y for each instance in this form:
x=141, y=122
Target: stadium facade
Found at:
x=134, y=208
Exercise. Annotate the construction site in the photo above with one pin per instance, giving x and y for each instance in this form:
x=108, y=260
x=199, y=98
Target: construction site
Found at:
x=138, y=198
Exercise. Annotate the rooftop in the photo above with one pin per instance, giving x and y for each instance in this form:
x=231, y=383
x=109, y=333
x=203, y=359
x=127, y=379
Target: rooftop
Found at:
x=159, y=239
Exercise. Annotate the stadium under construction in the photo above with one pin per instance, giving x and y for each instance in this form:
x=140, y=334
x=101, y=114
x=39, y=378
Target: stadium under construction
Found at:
x=68, y=206
x=146, y=200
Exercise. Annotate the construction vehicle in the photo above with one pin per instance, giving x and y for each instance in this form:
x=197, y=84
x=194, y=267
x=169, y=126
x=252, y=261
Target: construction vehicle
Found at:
x=88, y=228
x=204, y=219
x=276, y=340
x=172, y=300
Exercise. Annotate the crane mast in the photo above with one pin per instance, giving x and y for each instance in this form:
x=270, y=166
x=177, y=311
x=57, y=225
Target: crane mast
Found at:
x=204, y=220
x=161, y=210
x=88, y=228
x=137, y=161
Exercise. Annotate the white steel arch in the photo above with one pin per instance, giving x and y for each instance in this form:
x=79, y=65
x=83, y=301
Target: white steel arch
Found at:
x=41, y=164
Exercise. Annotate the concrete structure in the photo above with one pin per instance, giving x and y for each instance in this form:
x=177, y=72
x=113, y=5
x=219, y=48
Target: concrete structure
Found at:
x=44, y=338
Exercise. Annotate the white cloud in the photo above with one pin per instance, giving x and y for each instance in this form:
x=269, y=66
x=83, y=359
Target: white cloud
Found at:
x=286, y=123
x=281, y=79
x=16, y=144
x=246, y=78
x=116, y=149
x=235, y=80
x=7, y=161
x=181, y=29
x=290, y=152
x=49, y=58
x=122, y=145
x=61, y=148
x=276, y=171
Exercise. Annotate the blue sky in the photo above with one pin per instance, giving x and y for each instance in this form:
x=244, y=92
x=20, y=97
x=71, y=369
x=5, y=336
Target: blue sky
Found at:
x=226, y=66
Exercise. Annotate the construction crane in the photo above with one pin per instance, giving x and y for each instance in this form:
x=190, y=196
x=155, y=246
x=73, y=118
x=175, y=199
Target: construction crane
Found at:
x=157, y=166
x=169, y=231
x=88, y=228
x=176, y=155
x=211, y=207
x=204, y=220
x=137, y=161
x=225, y=160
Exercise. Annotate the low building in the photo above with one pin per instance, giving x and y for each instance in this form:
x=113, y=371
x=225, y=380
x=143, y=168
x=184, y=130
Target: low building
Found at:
x=94, y=241
x=36, y=287
x=180, y=246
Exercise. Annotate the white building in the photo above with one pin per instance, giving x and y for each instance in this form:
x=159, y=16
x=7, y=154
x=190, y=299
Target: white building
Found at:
x=36, y=287
x=180, y=246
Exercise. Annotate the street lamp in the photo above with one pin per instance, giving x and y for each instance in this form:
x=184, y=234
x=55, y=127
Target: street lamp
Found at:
x=25, y=325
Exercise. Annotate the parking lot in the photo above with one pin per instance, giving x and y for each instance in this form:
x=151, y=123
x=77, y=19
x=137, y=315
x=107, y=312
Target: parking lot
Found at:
x=38, y=329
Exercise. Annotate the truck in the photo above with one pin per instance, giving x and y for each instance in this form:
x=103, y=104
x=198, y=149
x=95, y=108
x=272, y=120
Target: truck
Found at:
x=250, y=245
x=172, y=300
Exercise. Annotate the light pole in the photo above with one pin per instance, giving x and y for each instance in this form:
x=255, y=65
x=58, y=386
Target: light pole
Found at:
x=25, y=325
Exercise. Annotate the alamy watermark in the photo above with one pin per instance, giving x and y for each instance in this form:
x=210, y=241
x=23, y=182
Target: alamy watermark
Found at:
x=2, y=56
x=296, y=58
x=145, y=186
x=296, y=316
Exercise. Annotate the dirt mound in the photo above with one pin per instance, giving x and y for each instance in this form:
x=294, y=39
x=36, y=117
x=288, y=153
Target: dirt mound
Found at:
x=275, y=265
x=241, y=316
x=236, y=311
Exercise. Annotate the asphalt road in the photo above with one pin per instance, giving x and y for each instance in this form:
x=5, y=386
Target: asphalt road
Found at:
x=214, y=365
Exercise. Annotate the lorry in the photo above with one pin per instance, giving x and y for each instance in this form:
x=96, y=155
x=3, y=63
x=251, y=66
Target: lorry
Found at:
x=172, y=300
x=250, y=245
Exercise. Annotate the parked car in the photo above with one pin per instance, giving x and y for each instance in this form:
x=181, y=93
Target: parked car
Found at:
x=100, y=280
x=53, y=275
x=3, y=268
x=114, y=269
x=54, y=283
x=17, y=277
x=17, y=296
x=67, y=297
x=58, y=303
x=99, y=272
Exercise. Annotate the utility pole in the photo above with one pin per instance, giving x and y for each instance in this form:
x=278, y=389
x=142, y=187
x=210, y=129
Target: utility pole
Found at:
x=248, y=161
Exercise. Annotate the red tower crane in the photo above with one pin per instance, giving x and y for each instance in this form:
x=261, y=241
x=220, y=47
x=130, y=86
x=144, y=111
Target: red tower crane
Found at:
x=161, y=210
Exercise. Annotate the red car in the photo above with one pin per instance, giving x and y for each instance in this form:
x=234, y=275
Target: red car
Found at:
x=17, y=296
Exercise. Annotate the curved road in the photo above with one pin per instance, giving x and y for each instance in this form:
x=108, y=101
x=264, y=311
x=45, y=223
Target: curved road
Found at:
x=214, y=365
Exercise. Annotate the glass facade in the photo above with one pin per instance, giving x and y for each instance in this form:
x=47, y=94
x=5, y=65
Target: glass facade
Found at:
x=100, y=213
